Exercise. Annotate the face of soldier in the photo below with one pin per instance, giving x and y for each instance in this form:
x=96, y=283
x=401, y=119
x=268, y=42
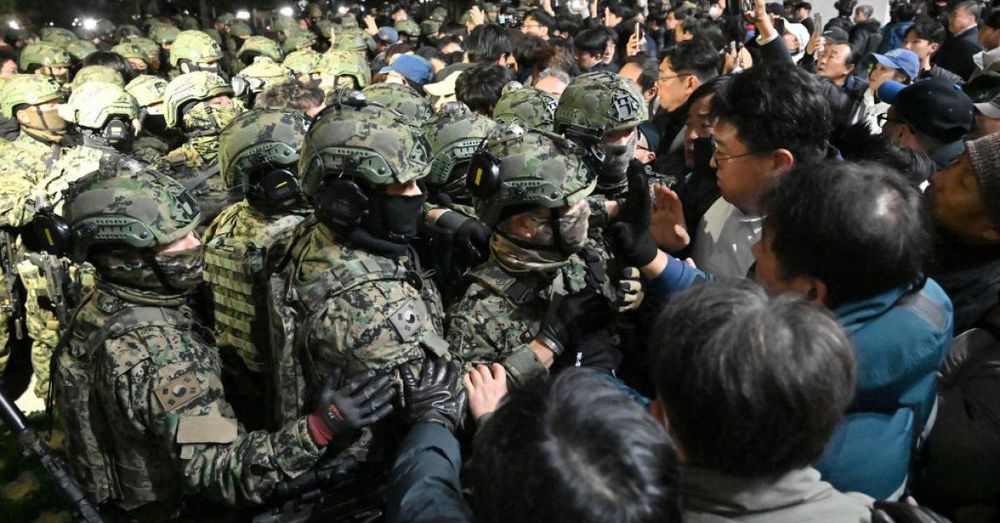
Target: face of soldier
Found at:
x=8, y=69
x=181, y=263
x=562, y=230
x=394, y=212
x=138, y=65
x=59, y=74
x=619, y=149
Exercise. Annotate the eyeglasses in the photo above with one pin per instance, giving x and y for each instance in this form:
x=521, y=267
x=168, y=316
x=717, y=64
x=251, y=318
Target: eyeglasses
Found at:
x=665, y=78
x=719, y=159
x=883, y=118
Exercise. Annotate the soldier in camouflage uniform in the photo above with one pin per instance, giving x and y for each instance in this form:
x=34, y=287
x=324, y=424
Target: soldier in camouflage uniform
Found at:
x=259, y=46
x=45, y=59
x=196, y=51
x=136, y=56
x=530, y=303
x=138, y=383
x=339, y=68
x=353, y=295
x=151, y=50
x=80, y=49
x=298, y=40
x=58, y=36
x=154, y=140
x=401, y=99
x=96, y=73
x=200, y=104
x=25, y=163
x=526, y=106
x=258, y=77
x=305, y=65
x=258, y=155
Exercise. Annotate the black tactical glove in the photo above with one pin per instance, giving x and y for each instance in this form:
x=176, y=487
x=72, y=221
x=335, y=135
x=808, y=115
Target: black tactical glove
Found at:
x=470, y=237
x=594, y=350
x=575, y=316
x=357, y=403
x=433, y=397
x=630, y=234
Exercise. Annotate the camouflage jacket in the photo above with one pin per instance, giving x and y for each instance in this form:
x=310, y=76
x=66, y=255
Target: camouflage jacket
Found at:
x=501, y=312
x=186, y=164
x=24, y=163
x=148, y=421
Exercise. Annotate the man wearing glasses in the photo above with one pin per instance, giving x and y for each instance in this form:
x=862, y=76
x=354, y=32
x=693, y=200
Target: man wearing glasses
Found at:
x=683, y=69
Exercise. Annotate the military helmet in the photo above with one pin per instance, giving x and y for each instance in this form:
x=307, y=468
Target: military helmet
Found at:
x=147, y=89
x=348, y=22
x=454, y=135
x=260, y=139
x=354, y=41
x=43, y=54
x=94, y=103
x=27, y=89
x=283, y=25
x=402, y=99
x=297, y=40
x=407, y=27
x=195, y=47
x=148, y=46
x=519, y=166
x=259, y=46
x=338, y=62
x=127, y=31
x=80, y=49
x=302, y=62
x=164, y=34
x=595, y=104
x=264, y=74
x=187, y=22
x=97, y=73
x=526, y=106
x=239, y=29
x=371, y=143
x=430, y=27
x=191, y=87
x=131, y=50
x=142, y=210
x=58, y=36
x=90, y=29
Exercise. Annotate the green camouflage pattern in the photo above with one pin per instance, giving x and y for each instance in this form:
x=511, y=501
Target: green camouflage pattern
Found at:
x=336, y=63
x=43, y=54
x=354, y=40
x=371, y=143
x=348, y=22
x=147, y=89
x=257, y=140
x=284, y=25
x=58, y=36
x=131, y=50
x=147, y=415
x=599, y=103
x=27, y=89
x=148, y=46
x=262, y=46
x=97, y=73
x=430, y=27
x=164, y=34
x=80, y=49
x=264, y=74
x=195, y=47
x=302, y=62
x=407, y=27
x=94, y=103
x=239, y=29
x=198, y=85
x=401, y=99
x=298, y=40
x=188, y=162
x=526, y=106
x=454, y=134
x=535, y=168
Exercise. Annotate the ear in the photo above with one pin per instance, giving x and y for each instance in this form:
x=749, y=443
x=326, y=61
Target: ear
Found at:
x=22, y=117
x=691, y=83
x=652, y=156
x=850, y=68
x=934, y=47
x=782, y=161
x=819, y=292
x=650, y=94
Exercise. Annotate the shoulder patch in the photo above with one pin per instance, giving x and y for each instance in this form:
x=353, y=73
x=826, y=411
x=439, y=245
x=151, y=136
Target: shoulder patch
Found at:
x=408, y=318
x=179, y=391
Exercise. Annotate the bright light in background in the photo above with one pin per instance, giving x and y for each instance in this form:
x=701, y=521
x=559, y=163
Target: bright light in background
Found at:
x=342, y=10
x=286, y=11
x=13, y=25
x=243, y=14
x=89, y=23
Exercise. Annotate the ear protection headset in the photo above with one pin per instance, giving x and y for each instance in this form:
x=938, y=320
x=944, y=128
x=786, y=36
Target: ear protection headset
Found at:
x=278, y=188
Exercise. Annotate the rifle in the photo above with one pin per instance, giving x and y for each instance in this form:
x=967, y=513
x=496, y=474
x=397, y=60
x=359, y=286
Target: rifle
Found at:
x=56, y=279
x=337, y=490
x=10, y=302
x=14, y=419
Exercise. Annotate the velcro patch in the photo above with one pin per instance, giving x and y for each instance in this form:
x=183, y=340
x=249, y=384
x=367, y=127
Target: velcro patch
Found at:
x=179, y=391
x=407, y=319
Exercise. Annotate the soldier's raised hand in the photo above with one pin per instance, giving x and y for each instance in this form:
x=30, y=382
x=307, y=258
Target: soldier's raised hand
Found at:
x=354, y=404
x=432, y=396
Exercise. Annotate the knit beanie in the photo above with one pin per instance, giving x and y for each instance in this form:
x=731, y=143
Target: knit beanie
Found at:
x=984, y=154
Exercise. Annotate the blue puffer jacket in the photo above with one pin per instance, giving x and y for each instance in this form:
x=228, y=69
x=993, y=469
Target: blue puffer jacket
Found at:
x=893, y=36
x=900, y=340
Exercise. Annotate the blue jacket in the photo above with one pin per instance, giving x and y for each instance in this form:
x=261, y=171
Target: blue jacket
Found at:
x=900, y=340
x=892, y=36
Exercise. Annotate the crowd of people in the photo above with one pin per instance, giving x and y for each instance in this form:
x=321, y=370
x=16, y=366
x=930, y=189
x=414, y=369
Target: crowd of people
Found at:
x=577, y=261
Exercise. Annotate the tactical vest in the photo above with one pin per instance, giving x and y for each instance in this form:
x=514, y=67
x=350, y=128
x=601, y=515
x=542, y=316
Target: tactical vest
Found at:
x=290, y=309
x=108, y=464
x=237, y=269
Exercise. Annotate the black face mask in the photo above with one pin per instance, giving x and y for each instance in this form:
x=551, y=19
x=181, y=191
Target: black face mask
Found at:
x=155, y=123
x=704, y=149
x=394, y=218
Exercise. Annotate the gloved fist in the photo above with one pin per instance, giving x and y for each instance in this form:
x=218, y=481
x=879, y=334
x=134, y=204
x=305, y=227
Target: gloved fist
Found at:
x=575, y=316
x=357, y=403
x=470, y=237
x=630, y=235
x=629, y=290
x=432, y=397
x=595, y=350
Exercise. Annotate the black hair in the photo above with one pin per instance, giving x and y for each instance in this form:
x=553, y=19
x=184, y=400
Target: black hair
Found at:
x=440, y=43
x=752, y=385
x=702, y=29
x=621, y=10
x=777, y=106
x=857, y=227
x=527, y=50
x=428, y=53
x=696, y=57
x=927, y=28
x=992, y=19
x=480, y=86
x=710, y=88
x=453, y=29
x=592, y=41
x=113, y=60
x=903, y=11
x=543, y=18
x=488, y=43
x=804, y=5
x=594, y=451
x=650, y=70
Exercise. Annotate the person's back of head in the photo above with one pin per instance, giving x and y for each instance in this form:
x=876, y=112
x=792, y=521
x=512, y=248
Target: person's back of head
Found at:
x=488, y=43
x=595, y=454
x=481, y=86
x=927, y=28
x=751, y=386
x=849, y=230
x=777, y=106
x=591, y=41
x=695, y=57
